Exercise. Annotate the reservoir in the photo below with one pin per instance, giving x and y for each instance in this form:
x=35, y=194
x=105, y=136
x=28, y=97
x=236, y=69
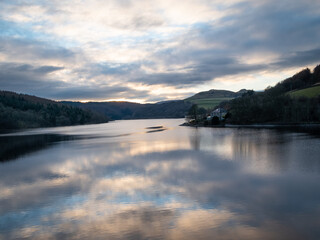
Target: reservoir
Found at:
x=154, y=179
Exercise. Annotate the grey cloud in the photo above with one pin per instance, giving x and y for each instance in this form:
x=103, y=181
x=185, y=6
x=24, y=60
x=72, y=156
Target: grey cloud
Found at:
x=287, y=29
x=9, y=67
x=98, y=92
x=72, y=92
x=27, y=68
x=48, y=69
x=114, y=68
x=273, y=26
x=27, y=78
x=32, y=49
x=203, y=72
x=124, y=3
x=300, y=58
x=140, y=22
x=34, y=80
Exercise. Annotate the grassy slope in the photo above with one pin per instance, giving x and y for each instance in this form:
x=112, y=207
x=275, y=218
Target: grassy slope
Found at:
x=212, y=98
x=208, y=103
x=307, y=92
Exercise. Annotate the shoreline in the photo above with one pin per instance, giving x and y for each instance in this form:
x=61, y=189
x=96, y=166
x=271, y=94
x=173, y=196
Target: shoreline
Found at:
x=296, y=126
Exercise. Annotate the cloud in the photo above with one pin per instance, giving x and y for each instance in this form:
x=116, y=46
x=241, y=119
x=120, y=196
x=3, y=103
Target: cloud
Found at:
x=163, y=43
x=37, y=80
x=30, y=50
x=115, y=68
x=201, y=72
x=300, y=58
x=47, y=69
x=97, y=92
x=25, y=77
x=140, y=22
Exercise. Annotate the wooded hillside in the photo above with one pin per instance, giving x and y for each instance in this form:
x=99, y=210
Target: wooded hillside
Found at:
x=276, y=105
x=129, y=110
x=25, y=111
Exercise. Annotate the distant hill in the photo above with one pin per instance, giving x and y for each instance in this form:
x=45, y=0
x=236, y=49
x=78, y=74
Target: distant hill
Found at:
x=214, y=93
x=212, y=98
x=25, y=111
x=164, y=109
x=129, y=110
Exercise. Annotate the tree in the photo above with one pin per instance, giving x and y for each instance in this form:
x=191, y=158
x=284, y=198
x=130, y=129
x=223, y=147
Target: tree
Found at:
x=193, y=112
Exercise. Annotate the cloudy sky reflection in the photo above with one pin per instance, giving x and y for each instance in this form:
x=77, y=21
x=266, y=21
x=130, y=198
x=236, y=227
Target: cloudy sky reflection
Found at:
x=250, y=184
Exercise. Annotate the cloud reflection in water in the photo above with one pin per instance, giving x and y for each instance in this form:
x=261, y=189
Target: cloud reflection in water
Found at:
x=183, y=183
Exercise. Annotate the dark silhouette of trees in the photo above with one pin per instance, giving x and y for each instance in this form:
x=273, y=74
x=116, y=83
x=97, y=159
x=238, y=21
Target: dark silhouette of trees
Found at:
x=275, y=105
x=197, y=113
x=24, y=111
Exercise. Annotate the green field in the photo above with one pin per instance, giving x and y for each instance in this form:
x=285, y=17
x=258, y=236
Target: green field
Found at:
x=308, y=92
x=208, y=103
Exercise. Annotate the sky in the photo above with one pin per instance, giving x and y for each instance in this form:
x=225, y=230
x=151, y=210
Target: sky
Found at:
x=149, y=51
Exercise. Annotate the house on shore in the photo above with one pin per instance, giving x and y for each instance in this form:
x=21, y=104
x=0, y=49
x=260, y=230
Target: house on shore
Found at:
x=219, y=112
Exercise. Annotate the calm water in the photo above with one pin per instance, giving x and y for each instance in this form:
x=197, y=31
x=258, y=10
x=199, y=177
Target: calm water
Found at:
x=125, y=180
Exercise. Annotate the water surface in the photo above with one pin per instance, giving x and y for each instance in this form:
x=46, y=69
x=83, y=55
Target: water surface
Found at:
x=152, y=179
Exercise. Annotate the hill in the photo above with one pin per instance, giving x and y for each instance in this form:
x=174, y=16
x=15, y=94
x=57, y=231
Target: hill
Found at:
x=310, y=92
x=214, y=93
x=129, y=110
x=165, y=109
x=293, y=100
x=25, y=111
x=208, y=103
x=212, y=98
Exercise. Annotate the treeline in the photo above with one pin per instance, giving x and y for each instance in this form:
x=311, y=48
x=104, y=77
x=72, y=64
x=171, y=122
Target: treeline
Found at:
x=24, y=111
x=300, y=80
x=275, y=105
x=129, y=110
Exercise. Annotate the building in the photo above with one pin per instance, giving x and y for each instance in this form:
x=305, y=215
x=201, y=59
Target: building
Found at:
x=219, y=112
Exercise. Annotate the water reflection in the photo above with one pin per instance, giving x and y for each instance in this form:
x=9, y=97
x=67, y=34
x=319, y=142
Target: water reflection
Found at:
x=15, y=146
x=195, y=139
x=182, y=183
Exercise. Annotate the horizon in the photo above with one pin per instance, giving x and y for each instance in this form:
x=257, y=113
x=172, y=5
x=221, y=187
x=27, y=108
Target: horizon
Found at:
x=114, y=100
x=151, y=52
